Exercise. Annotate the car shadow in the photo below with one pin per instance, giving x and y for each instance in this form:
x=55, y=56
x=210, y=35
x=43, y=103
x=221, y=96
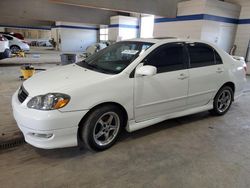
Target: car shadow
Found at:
x=168, y=124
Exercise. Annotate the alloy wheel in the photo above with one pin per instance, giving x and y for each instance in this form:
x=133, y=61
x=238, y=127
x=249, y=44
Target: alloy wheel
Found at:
x=224, y=101
x=106, y=128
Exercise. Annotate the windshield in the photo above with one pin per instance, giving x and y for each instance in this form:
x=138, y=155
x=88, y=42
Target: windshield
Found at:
x=115, y=58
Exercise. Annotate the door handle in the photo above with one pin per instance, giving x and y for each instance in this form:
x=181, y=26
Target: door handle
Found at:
x=182, y=77
x=219, y=70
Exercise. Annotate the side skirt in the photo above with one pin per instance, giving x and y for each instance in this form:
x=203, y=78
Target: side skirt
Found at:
x=133, y=125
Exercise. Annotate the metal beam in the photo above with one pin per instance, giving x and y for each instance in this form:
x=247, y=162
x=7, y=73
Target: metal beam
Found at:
x=166, y=8
x=46, y=11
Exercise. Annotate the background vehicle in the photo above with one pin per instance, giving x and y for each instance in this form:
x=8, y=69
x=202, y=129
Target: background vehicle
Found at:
x=90, y=50
x=17, y=35
x=16, y=44
x=4, y=48
x=132, y=84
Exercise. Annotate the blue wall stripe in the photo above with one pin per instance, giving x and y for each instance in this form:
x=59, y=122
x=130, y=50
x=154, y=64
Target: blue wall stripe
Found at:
x=26, y=27
x=244, y=21
x=204, y=17
x=75, y=27
x=124, y=26
x=180, y=18
x=220, y=19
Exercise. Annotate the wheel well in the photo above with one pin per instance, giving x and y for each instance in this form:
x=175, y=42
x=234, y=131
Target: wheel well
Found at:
x=231, y=85
x=15, y=45
x=98, y=106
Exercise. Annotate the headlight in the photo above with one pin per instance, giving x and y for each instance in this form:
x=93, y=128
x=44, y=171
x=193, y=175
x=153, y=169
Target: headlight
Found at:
x=50, y=101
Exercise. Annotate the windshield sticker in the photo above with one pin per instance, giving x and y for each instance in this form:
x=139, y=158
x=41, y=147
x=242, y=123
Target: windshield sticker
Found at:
x=130, y=52
x=118, y=68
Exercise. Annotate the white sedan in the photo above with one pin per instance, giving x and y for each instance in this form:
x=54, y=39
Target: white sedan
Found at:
x=16, y=44
x=132, y=84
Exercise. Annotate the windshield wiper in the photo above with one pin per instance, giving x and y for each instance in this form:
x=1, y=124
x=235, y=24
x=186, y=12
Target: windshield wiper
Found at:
x=95, y=67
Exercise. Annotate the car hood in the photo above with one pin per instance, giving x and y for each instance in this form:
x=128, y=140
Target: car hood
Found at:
x=62, y=79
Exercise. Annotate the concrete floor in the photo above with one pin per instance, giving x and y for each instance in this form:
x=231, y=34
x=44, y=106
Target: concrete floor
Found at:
x=193, y=152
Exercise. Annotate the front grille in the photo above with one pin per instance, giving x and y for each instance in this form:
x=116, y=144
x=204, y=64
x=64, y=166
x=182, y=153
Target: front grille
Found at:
x=22, y=94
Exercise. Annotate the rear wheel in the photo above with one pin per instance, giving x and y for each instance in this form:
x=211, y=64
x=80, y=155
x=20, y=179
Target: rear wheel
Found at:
x=222, y=101
x=102, y=127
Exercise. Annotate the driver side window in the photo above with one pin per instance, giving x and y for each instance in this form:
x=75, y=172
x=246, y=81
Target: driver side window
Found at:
x=166, y=58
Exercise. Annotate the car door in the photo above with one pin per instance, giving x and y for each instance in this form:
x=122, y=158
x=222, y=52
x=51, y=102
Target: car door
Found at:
x=206, y=73
x=166, y=92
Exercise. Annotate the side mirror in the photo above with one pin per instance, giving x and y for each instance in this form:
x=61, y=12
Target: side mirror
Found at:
x=146, y=70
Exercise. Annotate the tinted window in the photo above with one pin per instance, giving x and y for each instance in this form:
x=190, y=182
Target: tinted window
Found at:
x=217, y=58
x=167, y=58
x=200, y=55
x=8, y=37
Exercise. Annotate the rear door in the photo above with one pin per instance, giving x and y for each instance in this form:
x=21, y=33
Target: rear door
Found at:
x=206, y=73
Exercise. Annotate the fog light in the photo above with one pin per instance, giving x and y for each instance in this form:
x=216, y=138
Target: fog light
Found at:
x=42, y=135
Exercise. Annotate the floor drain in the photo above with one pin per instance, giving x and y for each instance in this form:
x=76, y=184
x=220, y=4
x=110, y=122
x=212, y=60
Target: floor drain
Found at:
x=11, y=144
x=10, y=140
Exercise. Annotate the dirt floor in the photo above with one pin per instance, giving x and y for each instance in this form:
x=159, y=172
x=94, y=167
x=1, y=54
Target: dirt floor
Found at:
x=193, y=152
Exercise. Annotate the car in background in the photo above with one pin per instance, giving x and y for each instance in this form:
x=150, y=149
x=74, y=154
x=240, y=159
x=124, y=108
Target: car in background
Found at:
x=17, y=35
x=16, y=44
x=90, y=50
x=131, y=84
x=4, y=48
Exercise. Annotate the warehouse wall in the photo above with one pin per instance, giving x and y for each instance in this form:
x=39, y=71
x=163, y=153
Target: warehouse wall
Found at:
x=180, y=29
x=243, y=31
x=74, y=37
x=208, y=20
x=31, y=34
x=123, y=27
x=221, y=30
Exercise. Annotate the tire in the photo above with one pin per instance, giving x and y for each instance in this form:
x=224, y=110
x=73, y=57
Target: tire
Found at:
x=222, y=101
x=15, y=49
x=102, y=127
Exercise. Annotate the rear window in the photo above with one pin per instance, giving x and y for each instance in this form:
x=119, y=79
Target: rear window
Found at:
x=218, y=59
x=201, y=55
x=8, y=37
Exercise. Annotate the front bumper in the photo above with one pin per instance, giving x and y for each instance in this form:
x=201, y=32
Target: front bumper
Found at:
x=46, y=129
x=25, y=47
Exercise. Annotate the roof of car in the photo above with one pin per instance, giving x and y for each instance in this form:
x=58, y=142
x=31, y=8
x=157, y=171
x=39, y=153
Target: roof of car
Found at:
x=166, y=39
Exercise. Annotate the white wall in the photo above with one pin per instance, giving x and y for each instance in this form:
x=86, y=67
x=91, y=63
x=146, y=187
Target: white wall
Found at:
x=2, y=29
x=74, y=39
x=214, y=31
x=123, y=27
x=222, y=34
x=180, y=29
x=243, y=31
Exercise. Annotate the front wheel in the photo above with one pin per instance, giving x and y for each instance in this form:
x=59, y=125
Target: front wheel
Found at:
x=102, y=127
x=14, y=49
x=222, y=101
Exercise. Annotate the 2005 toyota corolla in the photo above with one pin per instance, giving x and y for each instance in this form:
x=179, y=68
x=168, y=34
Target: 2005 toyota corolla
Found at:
x=132, y=84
